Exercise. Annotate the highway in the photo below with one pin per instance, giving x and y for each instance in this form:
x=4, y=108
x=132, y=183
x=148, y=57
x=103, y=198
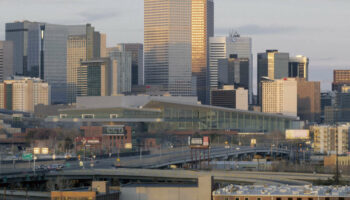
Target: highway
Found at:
x=219, y=176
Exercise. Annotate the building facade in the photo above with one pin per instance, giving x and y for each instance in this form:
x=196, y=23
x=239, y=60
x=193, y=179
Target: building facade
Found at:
x=280, y=96
x=220, y=48
x=6, y=59
x=309, y=100
x=234, y=71
x=157, y=114
x=17, y=32
x=340, y=78
x=230, y=97
x=22, y=94
x=120, y=74
x=137, y=69
x=176, y=36
x=272, y=65
x=298, y=67
x=94, y=77
x=331, y=139
x=53, y=54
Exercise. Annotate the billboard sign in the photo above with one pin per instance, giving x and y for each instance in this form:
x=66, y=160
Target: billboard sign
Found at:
x=197, y=141
x=299, y=134
x=114, y=130
x=206, y=141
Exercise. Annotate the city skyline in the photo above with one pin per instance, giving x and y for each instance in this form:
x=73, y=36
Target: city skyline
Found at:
x=298, y=29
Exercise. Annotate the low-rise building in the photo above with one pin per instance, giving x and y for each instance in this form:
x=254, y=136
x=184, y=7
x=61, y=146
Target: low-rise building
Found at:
x=159, y=114
x=328, y=139
x=230, y=97
x=100, y=190
x=282, y=192
x=107, y=138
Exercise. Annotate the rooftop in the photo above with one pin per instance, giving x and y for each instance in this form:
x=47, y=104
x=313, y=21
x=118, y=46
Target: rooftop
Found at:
x=284, y=190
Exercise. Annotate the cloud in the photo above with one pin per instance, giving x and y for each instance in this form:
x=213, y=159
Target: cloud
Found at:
x=96, y=16
x=254, y=29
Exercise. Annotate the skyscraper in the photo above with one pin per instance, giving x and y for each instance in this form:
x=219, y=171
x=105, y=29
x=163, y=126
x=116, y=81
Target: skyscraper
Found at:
x=6, y=59
x=222, y=48
x=17, y=32
x=136, y=50
x=176, y=43
x=299, y=67
x=272, y=65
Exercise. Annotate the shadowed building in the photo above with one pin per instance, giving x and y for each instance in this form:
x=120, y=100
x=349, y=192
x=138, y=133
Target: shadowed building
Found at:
x=309, y=101
x=230, y=97
x=6, y=59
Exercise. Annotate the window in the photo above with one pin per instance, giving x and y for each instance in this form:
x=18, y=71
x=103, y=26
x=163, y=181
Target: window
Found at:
x=290, y=198
x=311, y=198
x=246, y=199
x=298, y=198
x=278, y=198
x=258, y=198
x=327, y=198
x=237, y=198
x=113, y=116
x=63, y=116
x=87, y=116
x=341, y=198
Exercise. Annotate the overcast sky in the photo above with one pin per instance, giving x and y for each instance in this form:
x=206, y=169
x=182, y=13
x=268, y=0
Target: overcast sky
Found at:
x=319, y=29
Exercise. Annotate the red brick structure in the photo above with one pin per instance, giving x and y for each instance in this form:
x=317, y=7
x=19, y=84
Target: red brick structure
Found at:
x=113, y=138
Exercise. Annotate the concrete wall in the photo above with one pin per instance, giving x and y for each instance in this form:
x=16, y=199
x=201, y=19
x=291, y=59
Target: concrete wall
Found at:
x=169, y=192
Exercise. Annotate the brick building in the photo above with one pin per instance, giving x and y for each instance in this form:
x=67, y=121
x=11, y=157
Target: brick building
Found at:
x=113, y=137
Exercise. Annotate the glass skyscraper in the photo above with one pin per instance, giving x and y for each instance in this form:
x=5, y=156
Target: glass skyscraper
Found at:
x=176, y=44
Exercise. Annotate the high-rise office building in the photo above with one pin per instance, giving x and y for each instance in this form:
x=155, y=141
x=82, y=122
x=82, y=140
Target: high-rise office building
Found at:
x=53, y=57
x=120, y=71
x=76, y=53
x=136, y=50
x=94, y=77
x=234, y=71
x=176, y=37
x=22, y=94
x=340, y=78
x=230, y=97
x=6, y=59
x=279, y=96
x=309, y=100
x=17, y=32
x=222, y=48
x=272, y=65
x=298, y=67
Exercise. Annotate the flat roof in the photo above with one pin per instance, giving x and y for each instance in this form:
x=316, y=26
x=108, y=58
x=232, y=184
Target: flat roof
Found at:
x=283, y=190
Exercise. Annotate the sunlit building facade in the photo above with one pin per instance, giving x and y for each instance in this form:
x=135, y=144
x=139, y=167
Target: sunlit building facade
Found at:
x=299, y=67
x=22, y=94
x=176, y=43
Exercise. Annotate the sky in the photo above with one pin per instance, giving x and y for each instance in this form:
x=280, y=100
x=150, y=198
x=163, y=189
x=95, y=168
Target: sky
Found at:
x=318, y=29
